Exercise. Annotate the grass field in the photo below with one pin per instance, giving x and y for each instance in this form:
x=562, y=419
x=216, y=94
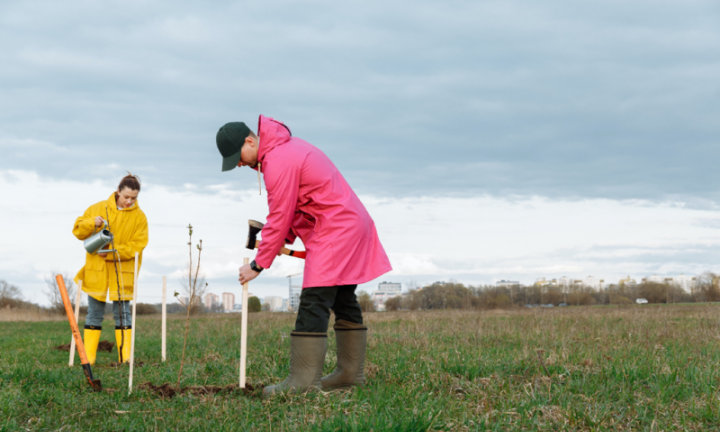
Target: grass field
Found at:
x=631, y=368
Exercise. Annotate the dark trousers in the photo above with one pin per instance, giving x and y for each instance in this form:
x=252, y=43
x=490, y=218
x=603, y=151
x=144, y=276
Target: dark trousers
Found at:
x=316, y=303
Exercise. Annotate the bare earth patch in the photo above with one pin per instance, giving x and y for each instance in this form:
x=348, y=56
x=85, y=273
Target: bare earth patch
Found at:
x=105, y=346
x=169, y=391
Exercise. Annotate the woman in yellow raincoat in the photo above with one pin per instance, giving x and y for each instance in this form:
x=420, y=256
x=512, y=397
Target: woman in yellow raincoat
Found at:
x=112, y=272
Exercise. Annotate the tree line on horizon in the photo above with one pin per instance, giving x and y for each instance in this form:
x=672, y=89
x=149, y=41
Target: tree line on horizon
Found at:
x=438, y=296
x=453, y=295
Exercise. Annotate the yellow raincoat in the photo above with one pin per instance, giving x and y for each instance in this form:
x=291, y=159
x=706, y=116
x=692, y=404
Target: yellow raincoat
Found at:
x=130, y=228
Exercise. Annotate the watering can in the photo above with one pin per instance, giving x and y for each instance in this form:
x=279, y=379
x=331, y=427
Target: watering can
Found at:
x=96, y=242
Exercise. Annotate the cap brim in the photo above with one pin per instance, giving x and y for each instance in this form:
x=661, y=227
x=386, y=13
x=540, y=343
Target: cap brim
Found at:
x=231, y=161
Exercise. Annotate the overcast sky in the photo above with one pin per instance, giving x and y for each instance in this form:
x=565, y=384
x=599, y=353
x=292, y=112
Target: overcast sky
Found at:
x=597, y=114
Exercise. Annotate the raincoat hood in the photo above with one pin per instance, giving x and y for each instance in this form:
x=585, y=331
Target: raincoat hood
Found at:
x=271, y=134
x=112, y=204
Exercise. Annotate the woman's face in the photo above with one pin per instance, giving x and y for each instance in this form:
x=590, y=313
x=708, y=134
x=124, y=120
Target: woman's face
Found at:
x=126, y=197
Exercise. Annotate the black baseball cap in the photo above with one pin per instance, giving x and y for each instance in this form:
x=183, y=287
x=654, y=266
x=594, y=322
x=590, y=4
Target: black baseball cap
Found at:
x=230, y=139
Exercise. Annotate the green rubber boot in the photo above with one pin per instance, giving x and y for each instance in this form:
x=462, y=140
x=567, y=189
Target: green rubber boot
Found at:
x=351, y=345
x=307, y=357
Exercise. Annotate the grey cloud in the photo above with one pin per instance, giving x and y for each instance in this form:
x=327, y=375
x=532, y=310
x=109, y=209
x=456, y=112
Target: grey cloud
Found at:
x=562, y=99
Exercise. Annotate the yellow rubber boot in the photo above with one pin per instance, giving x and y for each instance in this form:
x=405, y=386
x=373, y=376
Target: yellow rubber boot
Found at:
x=122, y=340
x=91, y=339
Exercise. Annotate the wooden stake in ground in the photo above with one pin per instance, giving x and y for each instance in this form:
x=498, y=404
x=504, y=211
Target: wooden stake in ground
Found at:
x=132, y=331
x=164, y=320
x=243, y=331
x=77, y=317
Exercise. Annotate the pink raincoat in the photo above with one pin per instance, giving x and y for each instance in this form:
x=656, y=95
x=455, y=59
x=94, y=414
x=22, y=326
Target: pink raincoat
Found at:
x=310, y=199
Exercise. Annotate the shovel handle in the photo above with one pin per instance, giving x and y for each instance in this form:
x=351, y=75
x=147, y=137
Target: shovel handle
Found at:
x=286, y=251
x=294, y=253
x=95, y=384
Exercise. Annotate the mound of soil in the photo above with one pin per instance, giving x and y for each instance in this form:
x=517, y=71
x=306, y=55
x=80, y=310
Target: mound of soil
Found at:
x=118, y=364
x=106, y=346
x=168, y=390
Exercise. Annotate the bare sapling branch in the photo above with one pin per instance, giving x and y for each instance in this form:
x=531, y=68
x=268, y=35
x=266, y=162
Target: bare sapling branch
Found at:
x=192, y=295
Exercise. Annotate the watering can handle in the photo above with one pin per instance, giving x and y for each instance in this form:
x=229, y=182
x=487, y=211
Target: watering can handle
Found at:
x=101, y=251
x=105, y=225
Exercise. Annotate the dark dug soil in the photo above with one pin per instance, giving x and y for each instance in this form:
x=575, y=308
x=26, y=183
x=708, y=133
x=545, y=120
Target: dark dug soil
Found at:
x=105, y=346
x=168, y=390
x=125, y=364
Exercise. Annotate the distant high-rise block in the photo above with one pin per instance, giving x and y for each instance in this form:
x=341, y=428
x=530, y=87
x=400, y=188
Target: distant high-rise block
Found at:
x=228, y=300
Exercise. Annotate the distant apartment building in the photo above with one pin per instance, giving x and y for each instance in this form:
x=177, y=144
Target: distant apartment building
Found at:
x=593, y=282
x=228, y=301
x=294, y=297
x=385, y=291
x=541, y=282
x=654, y=278
x=685, y=282
x=564, y=282
x=390, y=288
x=627, y=282
x=211, y=300
x=507, y=284
x=274, y=303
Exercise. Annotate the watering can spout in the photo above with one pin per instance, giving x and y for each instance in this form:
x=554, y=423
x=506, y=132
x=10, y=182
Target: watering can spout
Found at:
x=96, y=242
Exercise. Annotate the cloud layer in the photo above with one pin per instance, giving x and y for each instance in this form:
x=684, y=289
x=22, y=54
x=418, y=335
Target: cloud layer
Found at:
x=599, y=99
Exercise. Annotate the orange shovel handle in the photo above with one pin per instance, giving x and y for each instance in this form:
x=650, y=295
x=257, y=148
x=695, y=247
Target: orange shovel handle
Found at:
x=286, y=251
x=76, y=334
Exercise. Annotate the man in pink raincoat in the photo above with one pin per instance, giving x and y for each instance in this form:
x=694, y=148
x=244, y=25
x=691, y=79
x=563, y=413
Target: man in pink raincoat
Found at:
x=310, y=199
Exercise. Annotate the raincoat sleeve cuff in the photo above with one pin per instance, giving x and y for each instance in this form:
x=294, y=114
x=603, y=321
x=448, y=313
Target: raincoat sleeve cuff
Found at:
x=84, y=227
x=265, y=264
x=290, y=238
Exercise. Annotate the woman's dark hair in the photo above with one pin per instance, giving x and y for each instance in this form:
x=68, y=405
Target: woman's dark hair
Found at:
x=131, y=182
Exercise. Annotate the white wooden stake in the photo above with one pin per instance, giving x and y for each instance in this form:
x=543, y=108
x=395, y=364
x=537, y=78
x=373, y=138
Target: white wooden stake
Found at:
x=243, y=331
x=164, y=320
x=132, y=331
x=77, y=319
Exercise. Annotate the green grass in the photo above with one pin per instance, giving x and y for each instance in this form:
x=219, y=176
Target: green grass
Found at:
x=615, y=368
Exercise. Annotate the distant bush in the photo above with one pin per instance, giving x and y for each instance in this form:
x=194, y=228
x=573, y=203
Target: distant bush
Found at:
x=254, y=304
x=366, y=303
x=9, y=294
x=552, y=296
x=653, y=292
x=496, y=300
x=392, y=304
x=620, y=300
x=18, y=304
x=708, y=288
x=145, y=309
x=581, y=298
x=10, y=298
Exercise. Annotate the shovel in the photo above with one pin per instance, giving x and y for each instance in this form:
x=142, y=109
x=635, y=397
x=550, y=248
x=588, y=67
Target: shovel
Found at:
x=95, y=384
